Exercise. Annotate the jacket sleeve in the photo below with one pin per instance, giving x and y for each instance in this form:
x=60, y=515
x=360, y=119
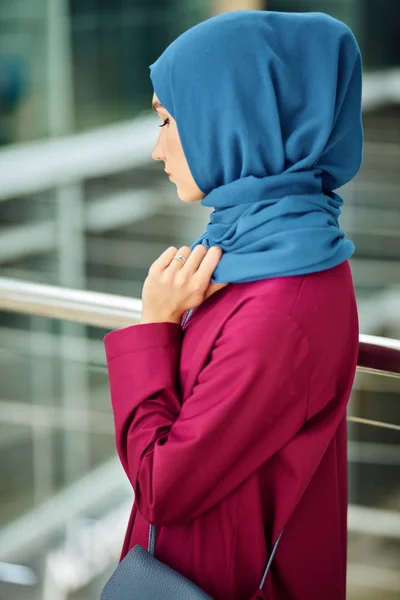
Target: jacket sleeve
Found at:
x=249, y=400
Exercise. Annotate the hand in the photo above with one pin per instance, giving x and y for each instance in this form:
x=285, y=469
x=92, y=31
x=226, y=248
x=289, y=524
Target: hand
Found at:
x=171, y=287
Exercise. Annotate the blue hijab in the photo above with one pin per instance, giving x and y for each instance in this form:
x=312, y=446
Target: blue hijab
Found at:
x=268, y=109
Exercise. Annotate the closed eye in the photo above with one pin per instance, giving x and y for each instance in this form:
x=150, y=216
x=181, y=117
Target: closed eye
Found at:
x=166, y=122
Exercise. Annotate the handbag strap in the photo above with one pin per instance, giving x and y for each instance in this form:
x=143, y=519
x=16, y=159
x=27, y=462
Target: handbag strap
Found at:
x=152, y=540
x=269, y=563
x=152, y=548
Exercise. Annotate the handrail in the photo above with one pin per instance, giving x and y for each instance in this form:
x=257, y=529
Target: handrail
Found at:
x=376, y=354
x=80, y=306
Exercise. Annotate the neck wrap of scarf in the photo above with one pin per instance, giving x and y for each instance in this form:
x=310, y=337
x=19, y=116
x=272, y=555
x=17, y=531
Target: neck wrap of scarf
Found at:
x=268, y=109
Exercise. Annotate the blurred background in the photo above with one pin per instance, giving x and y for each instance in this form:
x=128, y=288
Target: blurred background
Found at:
x=83, y=206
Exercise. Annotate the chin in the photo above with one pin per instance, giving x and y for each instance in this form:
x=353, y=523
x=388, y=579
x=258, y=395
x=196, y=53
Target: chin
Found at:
x=190, y=195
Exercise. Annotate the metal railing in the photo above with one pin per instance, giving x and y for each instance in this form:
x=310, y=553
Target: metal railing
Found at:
x=376, y=354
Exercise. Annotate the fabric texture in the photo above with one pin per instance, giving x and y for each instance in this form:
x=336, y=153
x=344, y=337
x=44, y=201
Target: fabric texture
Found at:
x=268, y=109
x=233, y=428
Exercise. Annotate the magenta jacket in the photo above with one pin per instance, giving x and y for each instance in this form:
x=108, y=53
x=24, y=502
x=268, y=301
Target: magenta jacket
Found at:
x=233, y=428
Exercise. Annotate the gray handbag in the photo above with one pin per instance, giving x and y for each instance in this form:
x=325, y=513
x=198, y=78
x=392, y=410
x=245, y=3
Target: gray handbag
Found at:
x=140, y=576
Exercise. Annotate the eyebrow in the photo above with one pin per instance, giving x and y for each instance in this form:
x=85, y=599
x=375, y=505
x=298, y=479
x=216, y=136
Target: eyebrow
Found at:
x=156, y=105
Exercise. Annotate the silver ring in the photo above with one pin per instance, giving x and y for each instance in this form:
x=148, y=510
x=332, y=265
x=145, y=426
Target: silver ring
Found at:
x=180, y=257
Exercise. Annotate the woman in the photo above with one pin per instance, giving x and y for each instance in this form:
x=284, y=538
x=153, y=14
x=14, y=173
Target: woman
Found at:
x=232, y=428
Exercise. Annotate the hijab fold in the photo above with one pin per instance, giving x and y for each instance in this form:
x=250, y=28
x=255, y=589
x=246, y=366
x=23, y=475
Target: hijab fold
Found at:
x=268, y=110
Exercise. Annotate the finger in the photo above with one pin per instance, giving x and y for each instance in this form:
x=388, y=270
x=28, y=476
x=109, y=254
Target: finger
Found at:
x=195, y=258
x=164, y=259
x=178, y=265
x=208, y=264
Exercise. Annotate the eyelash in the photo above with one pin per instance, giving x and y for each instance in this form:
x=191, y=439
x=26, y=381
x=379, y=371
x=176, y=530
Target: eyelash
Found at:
x=166, y=122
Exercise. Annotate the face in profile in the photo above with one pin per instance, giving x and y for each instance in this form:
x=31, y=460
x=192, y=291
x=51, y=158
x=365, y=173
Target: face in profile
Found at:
x=169, y=149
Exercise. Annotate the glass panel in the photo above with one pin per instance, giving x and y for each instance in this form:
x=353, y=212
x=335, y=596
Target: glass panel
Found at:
x=16, y=470
x=56, y=422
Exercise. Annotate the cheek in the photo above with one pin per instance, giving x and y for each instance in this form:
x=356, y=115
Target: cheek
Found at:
x=173, y=144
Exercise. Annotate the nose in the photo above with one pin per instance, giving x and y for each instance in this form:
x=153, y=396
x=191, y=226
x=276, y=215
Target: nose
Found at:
x=158, y=153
